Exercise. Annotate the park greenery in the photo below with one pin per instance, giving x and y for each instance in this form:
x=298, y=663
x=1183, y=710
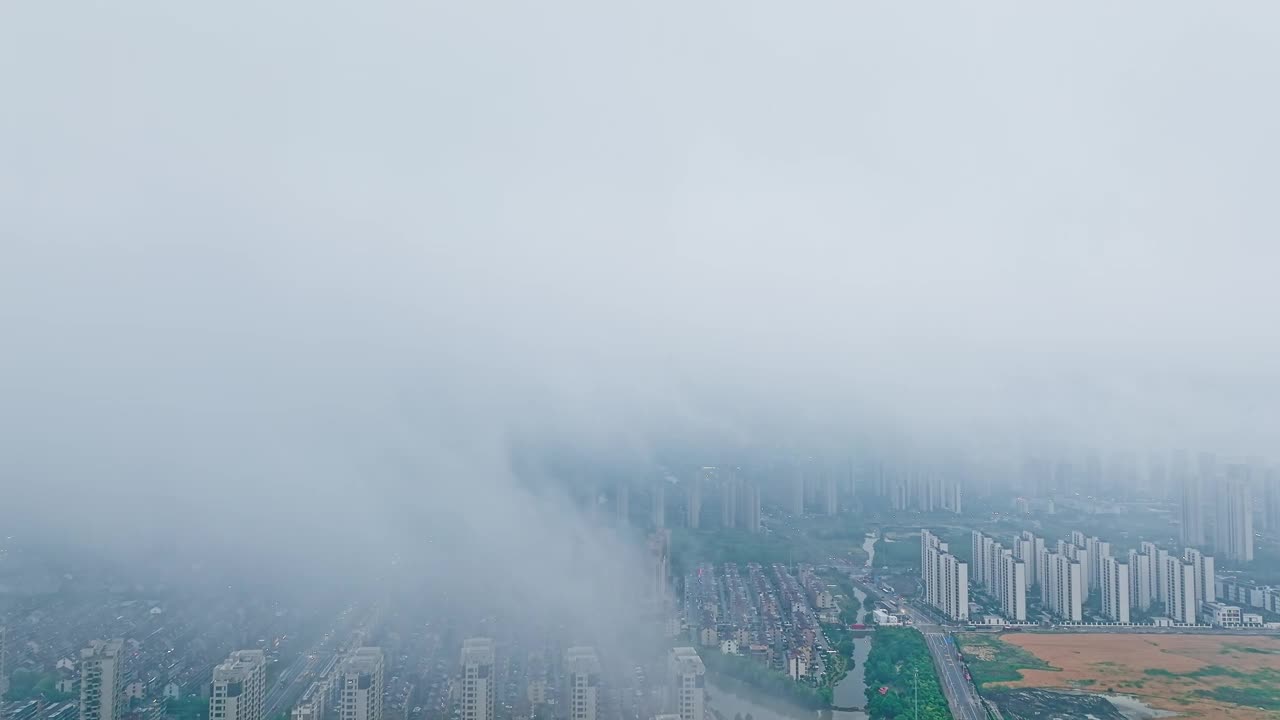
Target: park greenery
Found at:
x=900, y=662
x=736, y=672
x=900, y=553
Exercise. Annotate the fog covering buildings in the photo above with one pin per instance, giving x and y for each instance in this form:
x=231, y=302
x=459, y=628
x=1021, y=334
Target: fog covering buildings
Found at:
x=479, y=684
x=361, y=684
x=383, y=331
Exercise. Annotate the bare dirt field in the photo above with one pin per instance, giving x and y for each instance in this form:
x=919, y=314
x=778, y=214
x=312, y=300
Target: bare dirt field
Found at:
x=1207, y=676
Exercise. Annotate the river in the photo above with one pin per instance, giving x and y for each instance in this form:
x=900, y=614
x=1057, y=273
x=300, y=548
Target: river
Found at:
x=851, y=692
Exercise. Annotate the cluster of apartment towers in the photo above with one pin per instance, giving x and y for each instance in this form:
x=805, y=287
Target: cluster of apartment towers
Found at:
x=239, y=687
x=1065, y=574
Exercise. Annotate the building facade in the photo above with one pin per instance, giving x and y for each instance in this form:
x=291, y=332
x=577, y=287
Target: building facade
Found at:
x=102, y=680
x=1013, y=587
x=1180, y=590
x=479, y=691
x=946, y=578
x=1064, y=591
x=584, y=683
x=362, y=685
x=1233, y=531
x=686, y=684
x=1115, y=589
x=239, y=687
x=1205, y=592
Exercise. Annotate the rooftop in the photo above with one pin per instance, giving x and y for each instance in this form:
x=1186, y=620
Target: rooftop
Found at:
x=477, y=651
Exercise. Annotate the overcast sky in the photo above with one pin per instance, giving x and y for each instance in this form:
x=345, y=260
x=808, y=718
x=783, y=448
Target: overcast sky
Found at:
x=299, y=261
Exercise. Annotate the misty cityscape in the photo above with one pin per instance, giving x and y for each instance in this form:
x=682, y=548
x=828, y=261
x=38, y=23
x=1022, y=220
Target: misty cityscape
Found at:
x=584, y=361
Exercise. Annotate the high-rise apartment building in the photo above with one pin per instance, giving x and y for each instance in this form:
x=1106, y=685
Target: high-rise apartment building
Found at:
x=1162, y=573
x=1003, y=572
x=693, y=501
x=1115, y=589
x=729, y=501
x=986, y=559
x=830, y=500
x=1026, y=550
x=583, y=669
x=1271, y=499
x=1065, y=587
x=1192, y=485
x=1181, y=582
x=1141, y=580
x=1079, y=555
x=1043, y=559
x=749, y=506
x=1205, y=591
x=478, y=681
x=977, y=551
x=362, y=685
x=102, y=680
x=946, y=578
x=1152, y=558
x=686, y=684
x=1097, y=550
x=239, y=687
x=1233, y=531
x=1012, y=587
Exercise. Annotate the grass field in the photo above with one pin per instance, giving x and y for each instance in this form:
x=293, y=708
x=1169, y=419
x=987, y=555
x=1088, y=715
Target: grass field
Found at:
x=991, y=660
x=1198, y=676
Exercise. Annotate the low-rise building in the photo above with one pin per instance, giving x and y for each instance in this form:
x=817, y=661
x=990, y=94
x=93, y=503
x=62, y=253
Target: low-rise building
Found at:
x=884, y=617
x=1222, y=615
x=708, y=637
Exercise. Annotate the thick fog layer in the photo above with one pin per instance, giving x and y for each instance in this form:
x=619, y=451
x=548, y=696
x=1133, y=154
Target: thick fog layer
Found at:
x=288, y=279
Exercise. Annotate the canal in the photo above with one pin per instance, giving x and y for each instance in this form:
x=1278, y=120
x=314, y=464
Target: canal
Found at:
x=850, y=694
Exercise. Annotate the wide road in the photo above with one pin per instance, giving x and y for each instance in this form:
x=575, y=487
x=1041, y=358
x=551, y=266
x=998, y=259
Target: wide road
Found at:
x=961, y=696
x=293, y=681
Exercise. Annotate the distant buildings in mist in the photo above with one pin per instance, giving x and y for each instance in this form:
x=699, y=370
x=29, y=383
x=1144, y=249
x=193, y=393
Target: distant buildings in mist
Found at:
x=1220, y=506
x=1217, y=507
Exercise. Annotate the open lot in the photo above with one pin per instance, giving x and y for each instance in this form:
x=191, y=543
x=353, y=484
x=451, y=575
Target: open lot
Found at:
x=1195, y=675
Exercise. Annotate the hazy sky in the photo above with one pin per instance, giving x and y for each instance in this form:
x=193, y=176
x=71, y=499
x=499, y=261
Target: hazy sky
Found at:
x=301, y=263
